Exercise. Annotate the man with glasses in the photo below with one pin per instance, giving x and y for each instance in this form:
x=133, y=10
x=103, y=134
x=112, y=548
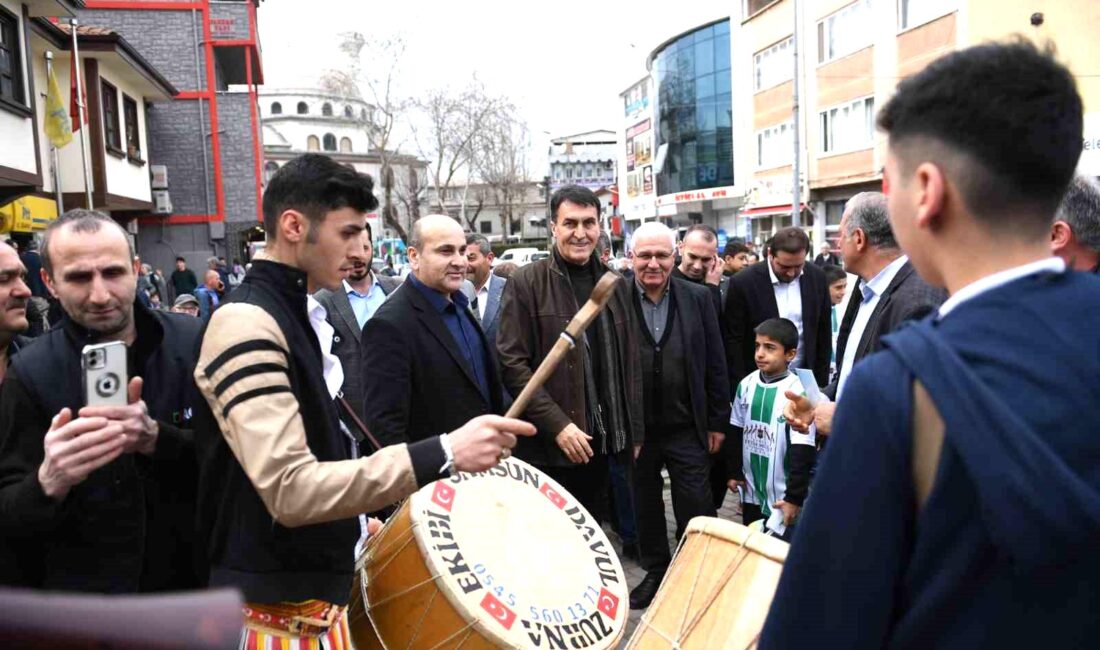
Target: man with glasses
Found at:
x=686, y=399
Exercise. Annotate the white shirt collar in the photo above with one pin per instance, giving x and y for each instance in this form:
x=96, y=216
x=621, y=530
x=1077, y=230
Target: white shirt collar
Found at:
x=880, y=282
x=775, y=279
x=990, y=282
x=330, y=363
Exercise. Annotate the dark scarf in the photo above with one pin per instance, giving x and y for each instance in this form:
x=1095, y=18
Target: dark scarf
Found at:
x=605, y=400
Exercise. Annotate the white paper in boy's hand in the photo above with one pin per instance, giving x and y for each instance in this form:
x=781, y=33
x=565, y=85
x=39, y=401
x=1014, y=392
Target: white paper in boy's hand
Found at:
x=775, y=522
x=809, y=383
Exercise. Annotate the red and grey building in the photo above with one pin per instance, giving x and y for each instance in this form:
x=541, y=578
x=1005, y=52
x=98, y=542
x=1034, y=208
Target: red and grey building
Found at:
x=205, y=147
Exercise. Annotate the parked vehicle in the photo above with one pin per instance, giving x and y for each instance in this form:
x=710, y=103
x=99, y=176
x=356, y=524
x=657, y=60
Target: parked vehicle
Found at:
x=519, y=256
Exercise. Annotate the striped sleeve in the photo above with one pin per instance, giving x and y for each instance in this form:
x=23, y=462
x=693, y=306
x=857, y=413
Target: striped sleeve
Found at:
x=740, y=407
x=243, y=373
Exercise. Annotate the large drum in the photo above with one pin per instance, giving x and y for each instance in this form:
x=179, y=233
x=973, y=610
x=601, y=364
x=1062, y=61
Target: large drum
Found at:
x=717, y=591
x=503, y=558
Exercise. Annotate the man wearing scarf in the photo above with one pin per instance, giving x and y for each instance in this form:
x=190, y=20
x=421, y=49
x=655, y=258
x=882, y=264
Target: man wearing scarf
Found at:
x=588, y=413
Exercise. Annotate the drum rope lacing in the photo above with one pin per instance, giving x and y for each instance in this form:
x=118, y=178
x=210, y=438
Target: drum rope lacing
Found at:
x=400, y=543
x=676, y=643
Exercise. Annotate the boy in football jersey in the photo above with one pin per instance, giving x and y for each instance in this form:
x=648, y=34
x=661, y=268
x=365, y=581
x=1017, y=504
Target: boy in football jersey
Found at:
x=770, y=462
x=837, y=280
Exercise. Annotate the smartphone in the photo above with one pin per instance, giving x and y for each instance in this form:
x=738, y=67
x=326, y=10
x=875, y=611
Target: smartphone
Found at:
x=105, y=377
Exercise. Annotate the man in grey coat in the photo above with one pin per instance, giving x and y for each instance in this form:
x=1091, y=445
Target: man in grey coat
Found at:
x=363, y=291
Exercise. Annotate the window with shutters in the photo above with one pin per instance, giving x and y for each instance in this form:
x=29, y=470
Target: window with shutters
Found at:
x=112, y=135
x=11, y=61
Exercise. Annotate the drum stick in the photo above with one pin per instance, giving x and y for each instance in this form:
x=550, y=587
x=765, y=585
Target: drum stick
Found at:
x=573, y=331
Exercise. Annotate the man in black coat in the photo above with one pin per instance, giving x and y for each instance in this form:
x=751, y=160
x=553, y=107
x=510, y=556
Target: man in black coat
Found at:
x=889, y=292
x=101, y=498
x=686, y=399
x=431, y=369
x=349, y=308
x=781, y=286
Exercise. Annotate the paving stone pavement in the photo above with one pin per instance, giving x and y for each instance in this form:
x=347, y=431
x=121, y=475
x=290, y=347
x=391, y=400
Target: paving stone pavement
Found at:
x=731, y=510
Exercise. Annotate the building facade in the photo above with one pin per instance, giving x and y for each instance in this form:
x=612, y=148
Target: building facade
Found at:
x=204, y=146
x=312, y=120
x=483, y=209
x=586, y=159
x=850, y=56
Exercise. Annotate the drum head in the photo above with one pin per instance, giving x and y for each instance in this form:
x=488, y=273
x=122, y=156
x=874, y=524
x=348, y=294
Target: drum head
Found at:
x=521, y=559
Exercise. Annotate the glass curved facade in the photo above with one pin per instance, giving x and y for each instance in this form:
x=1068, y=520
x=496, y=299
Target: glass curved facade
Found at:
x=694, y=110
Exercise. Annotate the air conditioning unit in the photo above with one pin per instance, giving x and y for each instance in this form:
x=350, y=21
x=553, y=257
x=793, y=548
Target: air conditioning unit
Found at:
x=162, y=203
x=159, y=179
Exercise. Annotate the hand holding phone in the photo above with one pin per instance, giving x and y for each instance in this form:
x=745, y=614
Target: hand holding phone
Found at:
x=105, y=377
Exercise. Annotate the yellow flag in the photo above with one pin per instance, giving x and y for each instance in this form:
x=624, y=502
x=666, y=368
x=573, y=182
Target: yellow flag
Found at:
x=59, y=128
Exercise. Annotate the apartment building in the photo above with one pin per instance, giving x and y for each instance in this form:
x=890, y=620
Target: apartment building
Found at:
x=850, y=56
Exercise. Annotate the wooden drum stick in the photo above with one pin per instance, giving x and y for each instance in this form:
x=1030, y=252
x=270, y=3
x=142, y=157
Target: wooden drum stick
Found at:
x=573, y=331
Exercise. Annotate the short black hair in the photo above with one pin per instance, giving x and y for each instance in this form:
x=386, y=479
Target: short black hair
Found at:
x=315, y=185
x=1010, y=147
x=179, y=258
x=576, y=194
x=82, y=221
x=780, y=330
x=790, y=240
x=735, y=248
x=833, y=273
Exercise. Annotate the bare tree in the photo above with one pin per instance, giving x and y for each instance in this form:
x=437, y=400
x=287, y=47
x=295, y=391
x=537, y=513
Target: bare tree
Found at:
x=389, y=107
x=451, y=124
x=500, y=159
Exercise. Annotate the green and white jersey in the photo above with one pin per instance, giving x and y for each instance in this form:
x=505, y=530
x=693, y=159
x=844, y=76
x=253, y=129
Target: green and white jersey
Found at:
x=758, y=410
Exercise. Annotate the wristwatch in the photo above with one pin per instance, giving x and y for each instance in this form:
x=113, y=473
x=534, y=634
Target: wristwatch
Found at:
x=449, y=456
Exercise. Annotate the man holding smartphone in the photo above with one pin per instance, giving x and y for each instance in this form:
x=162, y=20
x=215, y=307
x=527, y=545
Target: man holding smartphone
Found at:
x=102, y=496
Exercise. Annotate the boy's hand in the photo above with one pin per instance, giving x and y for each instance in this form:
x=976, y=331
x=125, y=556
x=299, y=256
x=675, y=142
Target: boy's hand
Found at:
x=790, y=511
x=733, y=484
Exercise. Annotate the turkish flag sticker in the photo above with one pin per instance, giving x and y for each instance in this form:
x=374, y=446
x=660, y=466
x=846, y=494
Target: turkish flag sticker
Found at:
x=444, y=495
x=553, y=495
x=608, y=603
x=498, y=611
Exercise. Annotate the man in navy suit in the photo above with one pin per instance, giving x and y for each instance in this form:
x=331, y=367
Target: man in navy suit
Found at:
x=958, y=505
x=435, y=368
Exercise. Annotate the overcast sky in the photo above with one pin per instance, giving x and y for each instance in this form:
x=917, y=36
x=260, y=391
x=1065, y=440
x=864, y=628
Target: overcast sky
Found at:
x=563, y=63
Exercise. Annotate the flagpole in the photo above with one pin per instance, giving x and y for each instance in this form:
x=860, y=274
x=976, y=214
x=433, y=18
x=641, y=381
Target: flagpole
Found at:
x=53, y=149
x=82, y=118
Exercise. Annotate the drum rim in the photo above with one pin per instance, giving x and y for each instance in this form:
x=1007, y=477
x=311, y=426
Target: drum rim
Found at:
x=770, y=547
x=470, y=612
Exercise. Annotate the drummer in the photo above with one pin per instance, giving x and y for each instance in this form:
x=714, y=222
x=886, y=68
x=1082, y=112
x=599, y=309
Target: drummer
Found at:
x=281, y=492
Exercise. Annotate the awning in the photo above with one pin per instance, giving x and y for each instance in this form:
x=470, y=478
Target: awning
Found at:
x=27, y=214
x=767, y=211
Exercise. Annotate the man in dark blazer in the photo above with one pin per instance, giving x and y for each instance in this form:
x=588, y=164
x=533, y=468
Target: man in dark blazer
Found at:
x=483, y=288
x=826, y=256
x=349, y=308
x=431, y=369
x=781, y=286
x=889, y=292
x=686, y=399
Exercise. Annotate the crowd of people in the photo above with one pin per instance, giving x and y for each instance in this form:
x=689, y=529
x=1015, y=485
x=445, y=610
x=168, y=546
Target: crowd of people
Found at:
x=930, y=464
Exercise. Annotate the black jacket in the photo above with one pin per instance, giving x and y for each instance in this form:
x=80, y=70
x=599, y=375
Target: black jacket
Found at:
x=708, y=382
x=268, y=561
x=751, y=301
x=129, y=527
x=907, y=298
x=416, y=381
